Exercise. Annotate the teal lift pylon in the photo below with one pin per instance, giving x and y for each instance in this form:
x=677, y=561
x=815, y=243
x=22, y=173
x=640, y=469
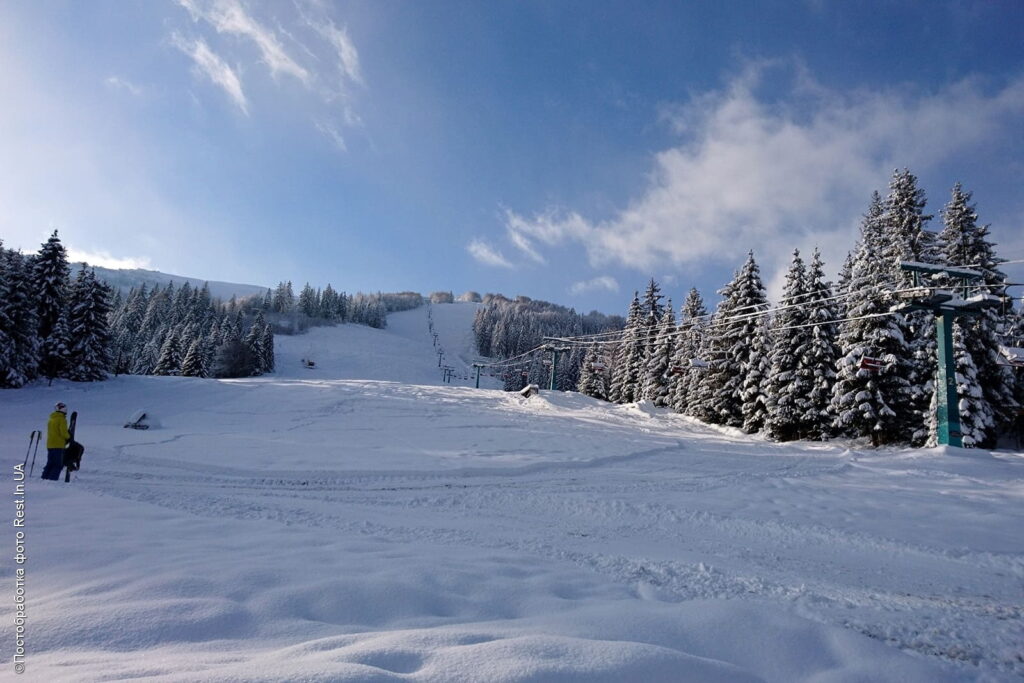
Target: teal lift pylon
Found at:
x=946, y=304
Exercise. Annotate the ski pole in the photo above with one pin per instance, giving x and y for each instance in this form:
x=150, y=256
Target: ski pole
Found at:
x=39, y=437
x=31, y=437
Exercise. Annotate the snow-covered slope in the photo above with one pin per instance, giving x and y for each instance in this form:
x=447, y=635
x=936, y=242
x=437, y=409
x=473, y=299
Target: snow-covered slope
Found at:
x=127, y=278
x=364, y=522
x=404, y=352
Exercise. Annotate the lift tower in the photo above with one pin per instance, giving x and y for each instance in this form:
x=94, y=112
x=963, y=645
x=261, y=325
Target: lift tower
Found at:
x=946, y=303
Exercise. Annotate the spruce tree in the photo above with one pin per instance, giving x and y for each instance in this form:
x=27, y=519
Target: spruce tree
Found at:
x=51, y=279
x=591, y=378
x=868, y=402
x=753, y=392
x=254, y=342
x=19, y=343
x=735, y=327
x=629, y=356
x=905, y=238
x=267, y=346
x=194, y=364
x=688, y=349
x=309, y=302
x=788, y=382
x=127, y=329
x=659, y=362
x=984, y=384
x=89, y=323
x=818, y=362
x=169, y=362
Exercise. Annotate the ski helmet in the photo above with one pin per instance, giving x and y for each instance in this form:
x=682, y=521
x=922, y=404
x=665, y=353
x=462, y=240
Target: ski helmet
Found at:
x=61, y=407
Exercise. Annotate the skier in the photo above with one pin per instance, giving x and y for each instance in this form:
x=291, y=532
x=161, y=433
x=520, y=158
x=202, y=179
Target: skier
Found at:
x=57, y=438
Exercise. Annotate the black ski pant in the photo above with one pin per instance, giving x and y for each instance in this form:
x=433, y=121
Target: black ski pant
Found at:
x=54, y=463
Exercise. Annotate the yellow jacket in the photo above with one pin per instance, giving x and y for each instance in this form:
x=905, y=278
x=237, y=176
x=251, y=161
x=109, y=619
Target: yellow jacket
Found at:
x=57, y=435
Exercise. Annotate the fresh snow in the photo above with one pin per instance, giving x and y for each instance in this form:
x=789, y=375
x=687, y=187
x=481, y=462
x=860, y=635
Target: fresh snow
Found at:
x=363, y=521
x=125, y=279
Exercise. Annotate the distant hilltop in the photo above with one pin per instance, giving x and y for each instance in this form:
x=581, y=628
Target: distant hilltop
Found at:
x=125, y=279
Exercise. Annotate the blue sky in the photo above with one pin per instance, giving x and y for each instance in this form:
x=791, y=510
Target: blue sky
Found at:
x=563, y=150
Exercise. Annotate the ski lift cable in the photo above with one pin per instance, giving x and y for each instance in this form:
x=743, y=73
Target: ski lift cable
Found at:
x=507, y=362
x=716, y=323
x=584, y=341
x=792, y=327
x=615, y=335
x=723, y=320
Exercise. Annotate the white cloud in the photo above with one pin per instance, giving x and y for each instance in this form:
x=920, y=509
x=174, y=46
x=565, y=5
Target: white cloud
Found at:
x=213, y=67
x=119, y=83
x=305, y=43
x=487, y=255
x=228, y=16
x=774, y=176
x=104, y=260
x=603, y=282
x=520, y=241
x=348, y=56
x=332, y=133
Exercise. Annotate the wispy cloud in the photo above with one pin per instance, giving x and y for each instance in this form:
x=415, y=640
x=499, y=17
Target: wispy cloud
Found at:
x=333, y=135
x=209, y=64
x=119, y=83
x=604, y=282
x=794, y=172
x=487, y=255
x=105, y=260
x=344, y=48
x=521, y=242
x=306, y=44
x=228, y=16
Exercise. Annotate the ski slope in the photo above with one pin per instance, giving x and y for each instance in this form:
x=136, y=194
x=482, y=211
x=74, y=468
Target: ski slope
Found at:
x=365, y=522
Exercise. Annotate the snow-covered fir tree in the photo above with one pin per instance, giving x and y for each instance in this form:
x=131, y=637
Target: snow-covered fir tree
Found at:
x=869, y=402
x=651, y=313
x=194, y=364
x=985, y=385
x=693, y=319
x=629, y=356
x=592, y=381
x=284, y=298
x=19, y=343
x=732, y=331
x=818, y=362
x=659, y=362
x=905, y=238
x=50, y=275
x=125, y=328
x=788, y=382
x=171, y=353
x=89, y=328
x=753, y=392
x=309, y=301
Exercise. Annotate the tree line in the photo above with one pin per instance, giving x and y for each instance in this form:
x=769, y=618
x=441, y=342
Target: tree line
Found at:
x=507, y=328
x=50, y=325
x=55, y=326
x=829, y=360
x=291, y=314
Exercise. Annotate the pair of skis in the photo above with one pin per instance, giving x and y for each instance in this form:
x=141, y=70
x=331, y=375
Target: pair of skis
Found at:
x=74, y=450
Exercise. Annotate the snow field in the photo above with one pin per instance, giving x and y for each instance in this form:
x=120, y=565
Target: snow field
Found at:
x=341, y=524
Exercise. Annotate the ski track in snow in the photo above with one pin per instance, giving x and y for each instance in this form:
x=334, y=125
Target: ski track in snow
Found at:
x=913, y=549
